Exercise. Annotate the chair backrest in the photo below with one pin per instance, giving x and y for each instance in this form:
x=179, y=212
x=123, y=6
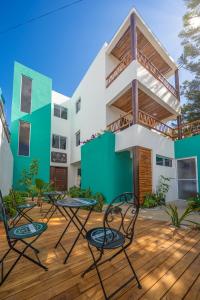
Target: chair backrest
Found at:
x=121, y=214
x=4, y=214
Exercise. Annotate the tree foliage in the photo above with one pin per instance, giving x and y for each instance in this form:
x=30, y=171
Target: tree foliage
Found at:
x=190, y=59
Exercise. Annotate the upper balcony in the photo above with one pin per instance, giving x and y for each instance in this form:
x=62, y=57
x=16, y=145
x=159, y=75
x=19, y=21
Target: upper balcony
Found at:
x=135, y=53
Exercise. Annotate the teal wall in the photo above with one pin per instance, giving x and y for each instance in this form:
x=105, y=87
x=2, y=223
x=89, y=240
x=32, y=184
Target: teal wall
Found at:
x=103, y=170
x=188, y=147
x=40, y=119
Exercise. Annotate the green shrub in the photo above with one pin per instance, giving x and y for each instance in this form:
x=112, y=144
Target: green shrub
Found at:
x=77, y=192
x=150, y=200
x=194, y=202
x=11, y=201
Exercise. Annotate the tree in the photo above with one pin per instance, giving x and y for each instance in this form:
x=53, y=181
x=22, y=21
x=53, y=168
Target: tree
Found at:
x=190, y=60
x=28, y=176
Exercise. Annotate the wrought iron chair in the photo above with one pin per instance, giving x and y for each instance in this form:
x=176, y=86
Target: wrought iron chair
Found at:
x=19, y=234
x=117, y=232
x=22, y=210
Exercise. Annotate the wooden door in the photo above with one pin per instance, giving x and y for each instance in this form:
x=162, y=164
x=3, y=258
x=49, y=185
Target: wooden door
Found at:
x=59, y=177
x=142, y=170
x=145, y=172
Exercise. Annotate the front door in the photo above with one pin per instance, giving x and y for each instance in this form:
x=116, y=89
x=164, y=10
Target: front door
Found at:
x=59, y=177
x=187, y=177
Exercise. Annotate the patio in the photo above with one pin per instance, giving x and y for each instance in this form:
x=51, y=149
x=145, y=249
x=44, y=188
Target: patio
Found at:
x=166, y=263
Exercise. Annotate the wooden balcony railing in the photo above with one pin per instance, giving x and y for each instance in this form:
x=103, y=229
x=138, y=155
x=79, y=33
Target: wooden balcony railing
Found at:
x=119, y=69
x=147, y=64
x=143, y=119
x=187, y=129
x=146, y=120
x=153, y=123
x=143, y=60
x=121, y=123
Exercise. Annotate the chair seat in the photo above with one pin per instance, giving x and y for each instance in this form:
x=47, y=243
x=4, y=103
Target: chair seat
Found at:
x=114, y=238
x=27, y=230
x=26, y=205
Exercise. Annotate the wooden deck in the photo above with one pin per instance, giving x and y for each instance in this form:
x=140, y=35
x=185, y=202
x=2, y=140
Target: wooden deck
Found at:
x=168, y=266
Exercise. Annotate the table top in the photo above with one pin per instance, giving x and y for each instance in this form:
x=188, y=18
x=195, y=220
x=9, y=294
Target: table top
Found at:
x=76, y=202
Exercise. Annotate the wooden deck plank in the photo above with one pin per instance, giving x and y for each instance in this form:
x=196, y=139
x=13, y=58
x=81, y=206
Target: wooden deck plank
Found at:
x=194, y=292
x=155, y=247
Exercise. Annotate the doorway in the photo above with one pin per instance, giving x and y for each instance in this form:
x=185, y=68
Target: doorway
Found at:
x=58, y=175
x=187, y=177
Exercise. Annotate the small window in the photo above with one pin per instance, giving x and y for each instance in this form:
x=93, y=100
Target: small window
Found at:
x=163, y=161
x=63, y=113
x=79, y=171
x=60, y=111
x=56, y=110
x=26, y=91
x=24, y=138
x=78, y=105
x=78, y=138
x=59, y=142
x=55, y=141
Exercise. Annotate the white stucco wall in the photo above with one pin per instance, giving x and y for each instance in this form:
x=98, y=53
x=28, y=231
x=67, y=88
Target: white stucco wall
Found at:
x=60, y=126
x=92, y=116
x=6, y=163
x=138, y=135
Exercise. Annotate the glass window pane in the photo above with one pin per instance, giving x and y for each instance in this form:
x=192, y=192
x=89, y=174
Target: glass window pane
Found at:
x=26, y=89
x=24, y=138
x=55, y=141
x=62, y=142
x=56, y=110
x=186, y=168
x=168, y=162
x=187, y=188
x=159, y=160
x=64, y=113
x=78, y=138
x=78, y=105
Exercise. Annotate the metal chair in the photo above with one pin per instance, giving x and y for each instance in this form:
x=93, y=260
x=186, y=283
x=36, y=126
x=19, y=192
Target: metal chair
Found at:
x=22, y=210
x=116, y=234
x=18, y=234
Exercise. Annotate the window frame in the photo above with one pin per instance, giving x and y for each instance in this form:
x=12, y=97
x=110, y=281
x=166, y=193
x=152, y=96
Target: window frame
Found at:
x=78, y=102
x=60, y=111
x=78, y=132
x=20, y=121
x=164, y=158
x=59, y=136
x=22, y=75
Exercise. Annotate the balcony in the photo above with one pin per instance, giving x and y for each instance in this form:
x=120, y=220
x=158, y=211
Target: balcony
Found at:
x=150, y=122
x=147, y=64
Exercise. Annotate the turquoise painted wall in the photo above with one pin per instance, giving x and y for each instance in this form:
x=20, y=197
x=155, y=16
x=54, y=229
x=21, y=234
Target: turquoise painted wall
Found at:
x=40, y=119
x=188, y=147
x=103, y=170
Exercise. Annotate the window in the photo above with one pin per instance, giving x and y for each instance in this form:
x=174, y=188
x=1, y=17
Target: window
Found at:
x=59, y=142
x=78, y=138
x=187, y=178
x=163, y=161
x=24, y=138
x=78, y=105
x=60, y=111
x=26, y=90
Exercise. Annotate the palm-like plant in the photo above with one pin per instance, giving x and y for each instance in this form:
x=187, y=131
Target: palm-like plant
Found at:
x=177, y=219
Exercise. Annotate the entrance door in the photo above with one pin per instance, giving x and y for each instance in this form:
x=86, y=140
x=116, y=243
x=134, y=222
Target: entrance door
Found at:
x=59, y=177
x=187, y=178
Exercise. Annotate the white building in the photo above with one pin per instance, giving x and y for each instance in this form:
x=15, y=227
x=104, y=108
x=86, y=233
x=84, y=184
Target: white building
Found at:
x=6, y=158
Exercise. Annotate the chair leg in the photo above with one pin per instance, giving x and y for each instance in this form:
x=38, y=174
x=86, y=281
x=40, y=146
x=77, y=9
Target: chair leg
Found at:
x=35, y=249
x=98, y=273
x=134, y=273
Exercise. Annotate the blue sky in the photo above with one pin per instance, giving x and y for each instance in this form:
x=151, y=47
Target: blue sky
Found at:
x=63, y=45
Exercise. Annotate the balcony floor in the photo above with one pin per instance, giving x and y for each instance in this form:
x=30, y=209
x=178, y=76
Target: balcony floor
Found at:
x=166, y=263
